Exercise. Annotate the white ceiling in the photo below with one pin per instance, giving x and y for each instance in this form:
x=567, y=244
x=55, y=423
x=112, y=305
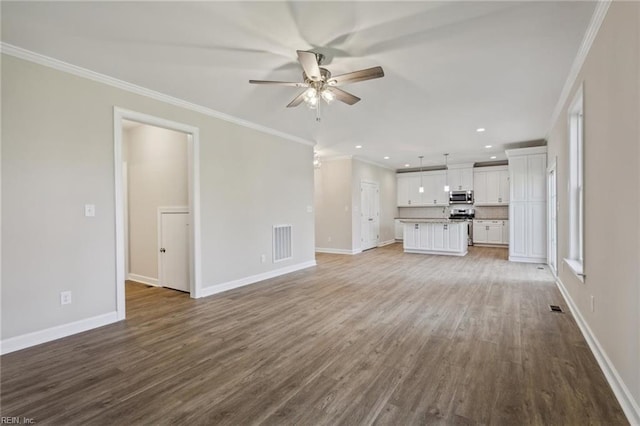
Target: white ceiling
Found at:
x=450, y=67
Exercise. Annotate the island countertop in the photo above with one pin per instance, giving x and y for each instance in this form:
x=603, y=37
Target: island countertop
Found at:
x=431, y=220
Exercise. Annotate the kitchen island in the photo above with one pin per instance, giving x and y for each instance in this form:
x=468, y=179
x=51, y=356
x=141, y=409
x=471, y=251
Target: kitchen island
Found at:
x=435, y=236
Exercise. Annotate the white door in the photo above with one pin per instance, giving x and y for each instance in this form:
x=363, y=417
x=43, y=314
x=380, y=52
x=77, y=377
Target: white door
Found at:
x=369, y=214
x=174, y=251
x=552, y=213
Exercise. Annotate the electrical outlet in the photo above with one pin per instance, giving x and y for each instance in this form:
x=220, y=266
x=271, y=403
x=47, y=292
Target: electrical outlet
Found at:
x=65, y=297
x=593, y=304
x=329, y=239
x=89, y=210
x=309, y=209
x=263, y=258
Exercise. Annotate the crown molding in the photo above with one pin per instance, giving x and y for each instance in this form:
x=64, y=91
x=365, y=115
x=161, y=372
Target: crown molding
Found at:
x=373, y=163
x=587, y=41
x=27, y=55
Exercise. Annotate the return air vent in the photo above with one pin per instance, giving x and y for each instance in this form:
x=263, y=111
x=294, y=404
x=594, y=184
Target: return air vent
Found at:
x=281, y=243
x=555, y=308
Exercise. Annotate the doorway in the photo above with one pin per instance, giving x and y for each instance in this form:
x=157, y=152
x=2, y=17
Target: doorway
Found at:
x=369, y=215
x=193, y=265
x=552, y=215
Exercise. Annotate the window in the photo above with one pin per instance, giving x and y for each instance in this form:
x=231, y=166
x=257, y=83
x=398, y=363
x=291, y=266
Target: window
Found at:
x=576, y=185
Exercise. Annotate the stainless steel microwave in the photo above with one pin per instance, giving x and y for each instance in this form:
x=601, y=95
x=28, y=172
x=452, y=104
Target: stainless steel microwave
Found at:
x=461, y=197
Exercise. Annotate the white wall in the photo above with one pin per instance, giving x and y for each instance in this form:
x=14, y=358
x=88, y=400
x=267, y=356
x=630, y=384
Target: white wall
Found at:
x=58, y=154
x=333, y=205
x=157, y=177
x=337, y=201
x=610, y=75
x=386, y=179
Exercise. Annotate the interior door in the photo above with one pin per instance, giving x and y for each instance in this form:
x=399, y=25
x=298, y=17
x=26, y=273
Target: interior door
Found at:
x=552, y=213
x=370, y=214
x=174, y=251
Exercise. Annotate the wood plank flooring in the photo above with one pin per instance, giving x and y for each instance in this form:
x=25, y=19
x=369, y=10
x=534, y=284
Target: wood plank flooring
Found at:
x=383, y=338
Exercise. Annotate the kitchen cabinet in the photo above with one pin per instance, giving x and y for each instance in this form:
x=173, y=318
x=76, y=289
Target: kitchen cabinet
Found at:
x=408, y=189
x=527, y=209
x=491, y=186
x=460, y=177
x=448, y=238
x=505, y=232
x=488, y=231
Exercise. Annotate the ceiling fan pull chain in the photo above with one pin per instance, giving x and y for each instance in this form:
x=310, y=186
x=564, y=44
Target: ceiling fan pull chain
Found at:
x=318, y=119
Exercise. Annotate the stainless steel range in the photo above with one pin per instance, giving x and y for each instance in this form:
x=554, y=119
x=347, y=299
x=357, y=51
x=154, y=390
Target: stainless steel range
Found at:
x=465, y=215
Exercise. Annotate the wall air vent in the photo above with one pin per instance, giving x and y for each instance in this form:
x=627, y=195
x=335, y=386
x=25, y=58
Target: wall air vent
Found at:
x=281, y=243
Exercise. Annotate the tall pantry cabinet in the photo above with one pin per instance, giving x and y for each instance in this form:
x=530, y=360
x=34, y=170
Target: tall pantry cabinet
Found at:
x=527, y=207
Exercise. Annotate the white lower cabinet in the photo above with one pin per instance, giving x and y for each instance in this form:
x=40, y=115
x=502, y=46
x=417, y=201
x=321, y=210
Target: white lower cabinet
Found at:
x=490, y=232
x=436, y=238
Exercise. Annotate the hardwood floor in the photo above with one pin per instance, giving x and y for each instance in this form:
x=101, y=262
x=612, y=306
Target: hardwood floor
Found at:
x=381, y=338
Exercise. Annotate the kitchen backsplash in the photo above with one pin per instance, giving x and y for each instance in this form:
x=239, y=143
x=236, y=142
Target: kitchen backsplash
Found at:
x=498, y=212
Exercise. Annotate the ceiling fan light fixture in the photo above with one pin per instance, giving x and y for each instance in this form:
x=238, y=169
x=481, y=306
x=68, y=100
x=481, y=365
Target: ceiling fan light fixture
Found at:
x=327, y=95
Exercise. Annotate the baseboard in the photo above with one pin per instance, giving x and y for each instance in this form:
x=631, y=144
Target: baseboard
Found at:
x=16, y=343
x=625, y=398
x=337, y=251
x=386, y=243
x=219, y=288
x=144, y=280
x=528, y=259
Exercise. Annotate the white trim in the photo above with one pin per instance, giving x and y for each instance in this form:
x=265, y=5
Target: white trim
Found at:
x=195, y=255
x=144, y=280
x=522, y=259
x=47, y=61
x=230, y=285
x=620, y=390
x=373, y=163
x=16, y=343
x=518, y=152
x=592, y=30
x=386, y=243
x=576, y=267
x=436, y=252
x=337, y=251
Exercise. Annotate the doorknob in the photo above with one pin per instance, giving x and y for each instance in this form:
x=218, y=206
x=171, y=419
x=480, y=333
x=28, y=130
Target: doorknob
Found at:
x=162, y=250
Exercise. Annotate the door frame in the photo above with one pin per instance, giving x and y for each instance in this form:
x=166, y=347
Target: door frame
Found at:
x=193, y=158
x=161, y=211
x=552, y=226
x=377, y=205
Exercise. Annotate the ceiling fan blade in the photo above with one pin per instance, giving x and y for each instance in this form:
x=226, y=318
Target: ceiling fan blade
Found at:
x=309, y=65
x=343, y=96
x=297, y=100
x=279, y=83
x=353, y=77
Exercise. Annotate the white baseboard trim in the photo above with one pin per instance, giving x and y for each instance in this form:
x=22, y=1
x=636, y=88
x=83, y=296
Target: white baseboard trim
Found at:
x=386, y=243
x=219, y=288
x=337, y=251
x=144, y=280
x=528, y=259
x=16, y=343
x=625, y=398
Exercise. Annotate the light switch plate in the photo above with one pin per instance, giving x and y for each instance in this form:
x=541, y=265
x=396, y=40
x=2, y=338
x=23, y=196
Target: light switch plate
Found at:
x=89, y=210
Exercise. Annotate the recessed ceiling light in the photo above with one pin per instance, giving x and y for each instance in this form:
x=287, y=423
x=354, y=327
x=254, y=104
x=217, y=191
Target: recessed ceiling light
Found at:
x=386, y=157
x=493, y=157
x=480, y=129
x=488, y=146
x=407, y=165
x=358, y=146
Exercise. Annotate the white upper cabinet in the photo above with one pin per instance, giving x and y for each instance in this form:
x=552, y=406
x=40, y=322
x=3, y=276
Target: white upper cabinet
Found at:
x=491, y=186
x=408, y=189
x=460, y=177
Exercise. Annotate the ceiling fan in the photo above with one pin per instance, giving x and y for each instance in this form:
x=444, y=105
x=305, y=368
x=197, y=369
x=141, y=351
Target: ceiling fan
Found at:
x=320, y=84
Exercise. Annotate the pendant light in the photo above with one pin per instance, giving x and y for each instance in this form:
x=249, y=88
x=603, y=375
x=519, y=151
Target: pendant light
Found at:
x=446, y=175
x=421, y=189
